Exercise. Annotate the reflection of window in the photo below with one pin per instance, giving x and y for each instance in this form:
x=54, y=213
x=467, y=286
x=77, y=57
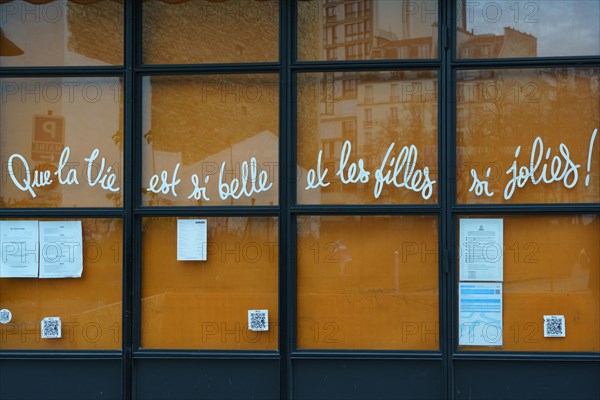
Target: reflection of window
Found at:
x=368, y=118
x=351, y=52
x=394, y=92
x=348, y=128
x=368, y=94
x=328, y=93
x=351, y=10
x=331, y=54
x=331, y=14
x=330, y=35
x=485, y=51
x=394, y=114
x=349, y=87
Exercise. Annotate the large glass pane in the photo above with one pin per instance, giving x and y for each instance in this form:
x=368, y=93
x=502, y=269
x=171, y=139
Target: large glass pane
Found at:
x=367, y=30
x=61, y=33
x=528, y=136
x=516, y=29
x=551, y=268
x=216, y=134
x=89, y=307
x=367, y=137
x=61, y=142
x=367, y=283
x=208, y=31
x=205, y=304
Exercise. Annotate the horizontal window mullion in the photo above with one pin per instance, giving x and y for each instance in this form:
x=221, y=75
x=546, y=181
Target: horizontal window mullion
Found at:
x=62, y=212
x=526, y=62
x=43, y=72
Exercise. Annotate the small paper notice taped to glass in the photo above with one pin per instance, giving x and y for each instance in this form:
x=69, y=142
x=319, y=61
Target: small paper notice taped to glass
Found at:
x=191, y=239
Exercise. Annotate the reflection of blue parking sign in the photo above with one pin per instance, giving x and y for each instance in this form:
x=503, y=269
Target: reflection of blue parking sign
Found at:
x=48, y=129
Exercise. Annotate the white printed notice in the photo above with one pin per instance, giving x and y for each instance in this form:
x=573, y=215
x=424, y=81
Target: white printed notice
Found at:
x=61, y=249
x=480, y=314
x=481, y=249
x=19, y=249
x=191, y=240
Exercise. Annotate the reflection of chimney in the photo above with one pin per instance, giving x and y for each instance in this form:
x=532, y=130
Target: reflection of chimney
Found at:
x=8, y=48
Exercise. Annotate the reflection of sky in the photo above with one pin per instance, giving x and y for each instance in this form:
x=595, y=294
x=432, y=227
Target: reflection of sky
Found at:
x=392, y=13
x=561, y=27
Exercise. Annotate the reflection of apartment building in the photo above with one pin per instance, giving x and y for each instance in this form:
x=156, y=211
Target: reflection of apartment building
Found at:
x=354, y=29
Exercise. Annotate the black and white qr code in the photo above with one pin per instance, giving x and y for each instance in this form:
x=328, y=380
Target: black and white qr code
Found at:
x=554, y=326
x=51, y=328
x=258, y=320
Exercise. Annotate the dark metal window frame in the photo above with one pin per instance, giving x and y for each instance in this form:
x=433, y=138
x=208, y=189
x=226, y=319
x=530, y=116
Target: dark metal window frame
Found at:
x=446, y=209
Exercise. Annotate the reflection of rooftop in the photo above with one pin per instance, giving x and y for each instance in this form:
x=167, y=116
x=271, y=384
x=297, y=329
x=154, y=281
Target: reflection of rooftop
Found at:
x=513, y=43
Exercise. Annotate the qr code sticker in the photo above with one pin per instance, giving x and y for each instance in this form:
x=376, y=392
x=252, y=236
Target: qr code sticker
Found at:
x=554, y=326
x=258, y=320
x=51, y=328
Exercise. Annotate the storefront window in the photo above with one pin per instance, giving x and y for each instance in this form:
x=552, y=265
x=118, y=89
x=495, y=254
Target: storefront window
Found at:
x=367, y=283
x=374, y=145
x=518, y=29
x=528, y=136
x=216, y=134
x=61, y=33
x=89, y=307
x=205, y=304
x=376, y=30
x=61, y=142
x=205, y=31
x=551, y=267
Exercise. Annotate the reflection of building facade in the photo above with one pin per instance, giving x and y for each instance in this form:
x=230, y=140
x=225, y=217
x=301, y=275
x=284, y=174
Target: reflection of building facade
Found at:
x=355, y=30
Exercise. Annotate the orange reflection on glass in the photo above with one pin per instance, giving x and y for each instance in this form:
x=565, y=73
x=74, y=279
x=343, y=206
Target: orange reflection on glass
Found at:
x=213, y=132
x=204, y=304
x=383, y=125
x=367, y=30
x=367, y=283
x=49, y=132
x=517, y=29
x=89, y=307
x=205, y=31
x=529, y=134
x=551, y=267
x=61, y=33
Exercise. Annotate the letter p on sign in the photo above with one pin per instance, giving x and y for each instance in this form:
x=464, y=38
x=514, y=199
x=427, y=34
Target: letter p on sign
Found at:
x=48, y=129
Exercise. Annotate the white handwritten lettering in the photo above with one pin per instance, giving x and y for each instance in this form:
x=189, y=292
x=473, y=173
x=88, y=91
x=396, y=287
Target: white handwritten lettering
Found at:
x=353, y=168
x=71, y=178
x=106, y=179
x=165, y=186
x=415, y=180
x=480, y=186
x=31, y=180
x=257, y=182
x=567, y=173
x=316, y=178
x=199, y=193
